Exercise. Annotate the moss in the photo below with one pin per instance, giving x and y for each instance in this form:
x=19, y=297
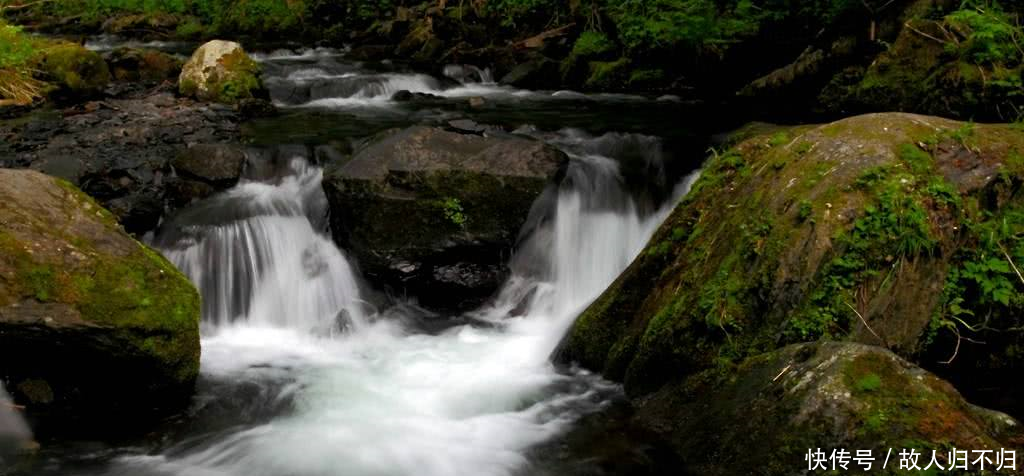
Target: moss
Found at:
x=150, y=304
x=608, y=74
x=74, y=68
x=740, y=267
x=592, y=44
x=238, y=79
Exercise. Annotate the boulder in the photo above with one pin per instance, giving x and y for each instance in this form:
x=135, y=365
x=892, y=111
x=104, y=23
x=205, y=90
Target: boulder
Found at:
x=91, y=321
x=765, y=414
x=221, y=71
x=141, y=64
x=895, y=230
x=74, y=71
x=435, y=214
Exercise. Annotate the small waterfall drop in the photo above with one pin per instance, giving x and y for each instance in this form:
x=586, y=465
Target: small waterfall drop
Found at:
x=256, y=256
x=384, y=400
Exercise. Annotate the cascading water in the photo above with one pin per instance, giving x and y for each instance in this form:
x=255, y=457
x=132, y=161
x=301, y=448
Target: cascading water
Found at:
x=263, y=261
x=382, y=399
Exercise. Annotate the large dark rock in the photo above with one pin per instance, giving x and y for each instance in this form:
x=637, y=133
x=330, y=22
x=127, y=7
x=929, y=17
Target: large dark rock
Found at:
x=120, y=151
x=92, y=323
x=435, y=214
x=888, y=229
x=763, y=415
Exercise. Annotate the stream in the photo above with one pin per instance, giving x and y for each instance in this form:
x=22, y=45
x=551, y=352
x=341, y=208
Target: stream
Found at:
x=308, y=371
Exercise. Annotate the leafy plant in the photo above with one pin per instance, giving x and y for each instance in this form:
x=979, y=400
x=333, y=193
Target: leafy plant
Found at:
x=453, y=211
x=991, y=36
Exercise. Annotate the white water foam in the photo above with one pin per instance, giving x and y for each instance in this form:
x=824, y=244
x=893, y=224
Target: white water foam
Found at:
x=380, y=400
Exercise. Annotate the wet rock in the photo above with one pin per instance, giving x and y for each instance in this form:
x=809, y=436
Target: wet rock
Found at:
x=538, y=73
x=120, y=151
x=252, y=108
x=371, y=52
x=419, y=98
x=435, y=214
x=217, y=164
x=221, y=71
x=145, y=65
x=75, y=284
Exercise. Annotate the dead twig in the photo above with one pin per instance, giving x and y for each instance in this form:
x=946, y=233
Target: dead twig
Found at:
x=855, y=311
x=4, y=8
x=782, y=372
x=1012, y=264
x=919, y=32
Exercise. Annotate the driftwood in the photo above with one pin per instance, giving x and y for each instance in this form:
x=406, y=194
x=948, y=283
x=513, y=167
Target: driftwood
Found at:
x=538, y=40
x=5, y=7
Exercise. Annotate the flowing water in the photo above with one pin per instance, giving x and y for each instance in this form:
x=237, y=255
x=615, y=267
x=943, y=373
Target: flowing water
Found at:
x=307, y=371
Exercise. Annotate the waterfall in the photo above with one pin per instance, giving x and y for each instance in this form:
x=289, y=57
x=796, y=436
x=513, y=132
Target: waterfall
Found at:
x=382, y=399
x=255, y=256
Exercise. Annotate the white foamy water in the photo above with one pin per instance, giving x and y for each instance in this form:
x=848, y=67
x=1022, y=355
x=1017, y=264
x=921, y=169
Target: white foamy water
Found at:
x=374, y=398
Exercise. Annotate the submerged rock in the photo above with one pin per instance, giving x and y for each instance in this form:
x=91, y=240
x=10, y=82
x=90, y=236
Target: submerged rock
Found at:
x=221, y=71
x=435, y=214
x=895, y=230
x=92, y=323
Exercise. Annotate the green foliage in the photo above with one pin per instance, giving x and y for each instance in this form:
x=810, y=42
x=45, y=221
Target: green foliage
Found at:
x=991, y=35
x=16, y=48
x=514, y=13
x=918, y=161
x=894, y=228
x=453, y=211
x=666, y=24
x=804, y=211
x=592, y=43
x=779, y=138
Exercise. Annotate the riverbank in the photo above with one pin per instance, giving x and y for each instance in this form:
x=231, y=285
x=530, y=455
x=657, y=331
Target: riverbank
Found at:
x=824, y=60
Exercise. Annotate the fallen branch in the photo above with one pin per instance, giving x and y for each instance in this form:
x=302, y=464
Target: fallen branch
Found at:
x=4, y=8
x=538, y=40
x=866, y=324
x=782, y=372
x=919, y=32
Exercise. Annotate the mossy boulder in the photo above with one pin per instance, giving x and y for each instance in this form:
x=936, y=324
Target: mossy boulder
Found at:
x=73, y=71
x=91, y=321
x=891, y=229
x=435, y=214
x=762, y=416
x=221, y=71
x=926, y=70
x=143, y=64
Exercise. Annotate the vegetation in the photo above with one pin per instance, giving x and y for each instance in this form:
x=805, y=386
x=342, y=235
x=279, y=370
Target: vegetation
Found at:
x=453, y=211
x=17, y=86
